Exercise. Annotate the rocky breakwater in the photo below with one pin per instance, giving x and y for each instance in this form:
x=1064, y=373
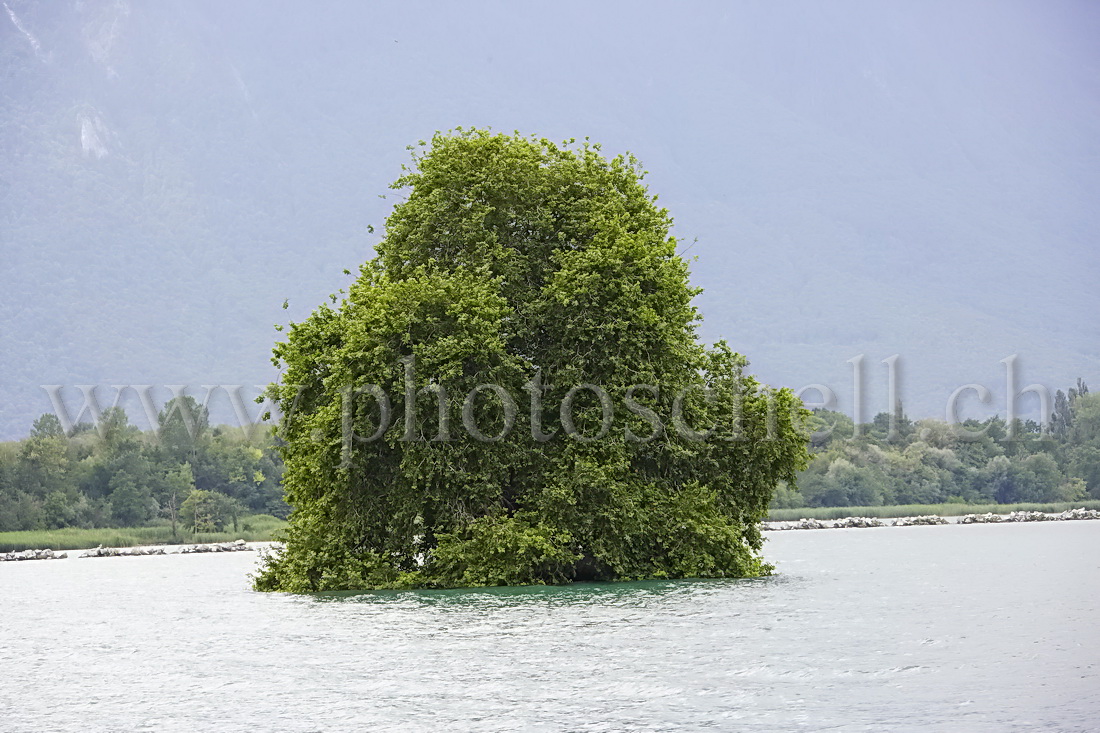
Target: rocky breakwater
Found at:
x=930, y=519
x=857, y=523
x=1082, y=513
x=238, y=546
x=800, y=524
x=102, y=551
x=987, y=518
x=1030, y=517
x=851, y=523
x=1068, y=515
x=924, y=519
x=33, y=555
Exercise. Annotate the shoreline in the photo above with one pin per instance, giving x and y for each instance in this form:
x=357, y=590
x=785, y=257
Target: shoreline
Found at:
x=856, y=522
x=141, y=551
x=852, y=522
x=251, y=528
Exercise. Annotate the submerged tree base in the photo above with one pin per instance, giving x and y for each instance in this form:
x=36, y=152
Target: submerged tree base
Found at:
x=507, y=551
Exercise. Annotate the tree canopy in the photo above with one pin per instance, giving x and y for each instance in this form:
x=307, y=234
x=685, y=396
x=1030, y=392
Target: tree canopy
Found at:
x=513, y=391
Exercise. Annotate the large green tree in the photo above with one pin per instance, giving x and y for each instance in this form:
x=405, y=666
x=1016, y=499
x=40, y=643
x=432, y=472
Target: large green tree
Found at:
x=470, y=413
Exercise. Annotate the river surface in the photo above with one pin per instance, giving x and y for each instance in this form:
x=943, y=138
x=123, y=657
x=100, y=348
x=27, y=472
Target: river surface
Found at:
x=952, y=628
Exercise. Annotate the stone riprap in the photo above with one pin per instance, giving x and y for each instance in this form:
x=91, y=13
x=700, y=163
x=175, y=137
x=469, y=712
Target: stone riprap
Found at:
x=32, y=555
x=987, y=518
x=930, y=519
x=857, y=522
x=238, y=546
x=102, y=551
x=1082, y=513
x=924, y=519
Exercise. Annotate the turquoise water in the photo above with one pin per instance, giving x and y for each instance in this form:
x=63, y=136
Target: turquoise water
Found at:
x=931, y=628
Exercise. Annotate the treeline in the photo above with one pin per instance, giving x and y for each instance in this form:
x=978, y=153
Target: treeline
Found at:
x=114, y=475
x=205, y=477
x=932, y=462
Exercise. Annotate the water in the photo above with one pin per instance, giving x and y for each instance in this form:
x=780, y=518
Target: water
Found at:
x=933, y=628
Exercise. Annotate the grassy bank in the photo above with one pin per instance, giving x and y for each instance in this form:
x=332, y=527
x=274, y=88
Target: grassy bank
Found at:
x=912, y=510
x=253, y=528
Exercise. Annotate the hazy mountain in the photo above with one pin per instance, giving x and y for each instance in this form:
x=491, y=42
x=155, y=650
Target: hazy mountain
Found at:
x=862, y=178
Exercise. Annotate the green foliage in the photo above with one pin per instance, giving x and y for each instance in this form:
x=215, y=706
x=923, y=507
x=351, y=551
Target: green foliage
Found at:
x=183, y=428
x=114, y=475
x=535, y=268
x=1086, y=420
x=131, y=503
x=503, y=550
x=932, y=462
x=209, y=511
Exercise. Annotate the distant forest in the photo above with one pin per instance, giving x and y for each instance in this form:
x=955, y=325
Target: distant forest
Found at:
x=932, y=462
x=204, y=477
x=115, y=475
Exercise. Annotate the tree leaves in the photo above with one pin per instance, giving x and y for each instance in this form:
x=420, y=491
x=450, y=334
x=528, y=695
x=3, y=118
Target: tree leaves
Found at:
x=513, y=257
